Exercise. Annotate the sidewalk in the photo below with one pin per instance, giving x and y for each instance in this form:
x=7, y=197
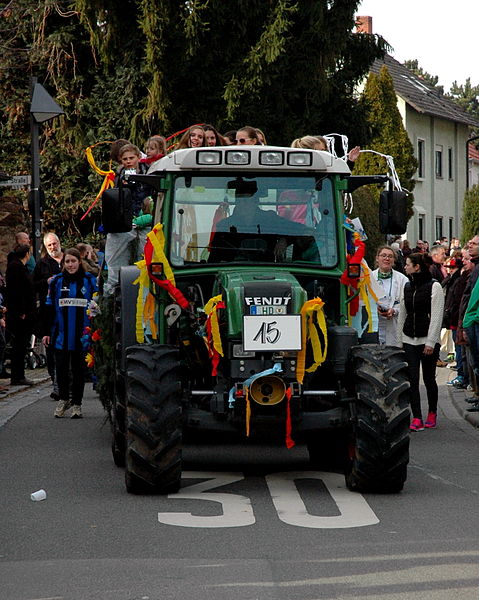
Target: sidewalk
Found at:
x=18, y=396
x=457, y=397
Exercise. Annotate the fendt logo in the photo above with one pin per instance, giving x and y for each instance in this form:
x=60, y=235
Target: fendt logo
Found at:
x=267, y=301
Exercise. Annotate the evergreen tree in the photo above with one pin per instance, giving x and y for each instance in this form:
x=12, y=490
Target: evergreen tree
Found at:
x=389, y=137
x=467, y=96
x=470, y=216
x=413, y=65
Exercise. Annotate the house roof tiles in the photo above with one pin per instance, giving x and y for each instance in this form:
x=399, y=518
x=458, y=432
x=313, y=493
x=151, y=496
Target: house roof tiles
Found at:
x=422, y=96
x=473, y=153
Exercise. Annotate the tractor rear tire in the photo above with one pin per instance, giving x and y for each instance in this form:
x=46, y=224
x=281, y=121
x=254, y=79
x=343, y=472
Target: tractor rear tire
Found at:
x=379, y=448
x=153, y=420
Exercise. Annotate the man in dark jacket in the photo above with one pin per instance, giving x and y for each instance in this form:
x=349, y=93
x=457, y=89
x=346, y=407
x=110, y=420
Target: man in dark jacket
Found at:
x=437, y=269
x=453, y=286
x=45, y=269
x=21, y=306
x=47, y=266
x=23, y=239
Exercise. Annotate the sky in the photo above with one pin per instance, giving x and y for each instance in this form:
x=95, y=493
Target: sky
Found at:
x=440, y=34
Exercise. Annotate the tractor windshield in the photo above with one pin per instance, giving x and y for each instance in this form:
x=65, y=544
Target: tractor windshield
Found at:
x=218, y=219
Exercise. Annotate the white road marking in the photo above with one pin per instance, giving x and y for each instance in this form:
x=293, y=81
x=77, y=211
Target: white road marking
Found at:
x=355, y=511
x=237, y=510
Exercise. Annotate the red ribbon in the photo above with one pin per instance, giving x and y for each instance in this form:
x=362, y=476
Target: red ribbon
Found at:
x=165, y=283
x=173, y=135
x=352, y=282
x=289, y=440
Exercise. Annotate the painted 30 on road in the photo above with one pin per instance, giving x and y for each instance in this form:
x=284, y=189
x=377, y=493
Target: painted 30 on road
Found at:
x=237, y=509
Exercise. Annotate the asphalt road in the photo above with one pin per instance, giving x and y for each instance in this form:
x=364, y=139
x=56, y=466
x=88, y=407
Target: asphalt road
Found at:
x=250, y=523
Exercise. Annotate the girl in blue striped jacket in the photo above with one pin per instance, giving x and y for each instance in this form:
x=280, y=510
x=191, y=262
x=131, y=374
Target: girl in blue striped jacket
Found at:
x=69, y=295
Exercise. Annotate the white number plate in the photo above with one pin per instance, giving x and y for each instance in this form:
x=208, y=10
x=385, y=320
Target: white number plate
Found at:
x=271, y=333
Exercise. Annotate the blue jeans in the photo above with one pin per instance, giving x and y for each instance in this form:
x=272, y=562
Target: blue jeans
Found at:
x=458, y=349
x=472, y=333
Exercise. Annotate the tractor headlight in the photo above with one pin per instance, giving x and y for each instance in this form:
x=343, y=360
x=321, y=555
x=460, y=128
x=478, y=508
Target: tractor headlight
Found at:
x=271, y=158
x=208, y=157
x=237, y=157
x=300, y=159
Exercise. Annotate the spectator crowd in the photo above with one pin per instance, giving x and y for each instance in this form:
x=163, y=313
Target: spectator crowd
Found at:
x=431, y=308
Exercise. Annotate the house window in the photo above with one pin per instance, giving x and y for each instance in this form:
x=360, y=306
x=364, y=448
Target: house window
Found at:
x=420, y=226
x=451, y=224
x=421, y=144
x=438, y=228
x=438, y=161
x=450, y=166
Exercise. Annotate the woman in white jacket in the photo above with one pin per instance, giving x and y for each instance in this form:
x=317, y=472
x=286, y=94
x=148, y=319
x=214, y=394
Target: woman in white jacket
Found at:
x=391, y=283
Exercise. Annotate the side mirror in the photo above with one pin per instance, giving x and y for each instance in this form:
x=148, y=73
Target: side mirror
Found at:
x=393, y=212
x=155, y=180
x=117, y=210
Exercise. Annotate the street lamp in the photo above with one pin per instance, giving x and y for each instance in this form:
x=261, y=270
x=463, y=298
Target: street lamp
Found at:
x=42, y=109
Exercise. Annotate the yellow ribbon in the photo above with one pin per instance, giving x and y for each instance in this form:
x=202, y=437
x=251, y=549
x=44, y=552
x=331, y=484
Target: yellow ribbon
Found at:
x=211, y=310
x=311, y=309
x=108, y=175
x=144, y=282
x=92, y=163
x=248, y=410
x=366, y=290
x=157, y=239
x=149, y=314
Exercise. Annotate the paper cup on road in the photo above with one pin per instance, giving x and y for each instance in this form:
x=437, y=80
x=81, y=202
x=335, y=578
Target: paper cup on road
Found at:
x=38, y=496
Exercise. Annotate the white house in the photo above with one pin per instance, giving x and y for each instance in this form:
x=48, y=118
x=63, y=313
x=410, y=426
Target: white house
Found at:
x=438, y=129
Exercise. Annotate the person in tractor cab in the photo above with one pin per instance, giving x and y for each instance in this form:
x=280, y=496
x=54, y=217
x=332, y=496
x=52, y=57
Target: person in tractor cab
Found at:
x=253, y=234
x=212, y=137
x=155, y=149
x=194, y=137
x=318, y=142
x=248, y=136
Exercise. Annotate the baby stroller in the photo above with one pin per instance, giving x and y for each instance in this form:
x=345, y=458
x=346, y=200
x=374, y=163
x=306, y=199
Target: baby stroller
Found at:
x=36, y=357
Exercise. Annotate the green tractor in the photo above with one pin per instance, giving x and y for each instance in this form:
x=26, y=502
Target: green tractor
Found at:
x=240, y=326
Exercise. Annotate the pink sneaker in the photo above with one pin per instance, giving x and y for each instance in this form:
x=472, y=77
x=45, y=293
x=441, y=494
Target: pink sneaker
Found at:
x=431, y=420
x=416, y=425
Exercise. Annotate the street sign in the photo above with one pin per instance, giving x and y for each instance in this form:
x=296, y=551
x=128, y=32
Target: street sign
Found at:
x=16, y=182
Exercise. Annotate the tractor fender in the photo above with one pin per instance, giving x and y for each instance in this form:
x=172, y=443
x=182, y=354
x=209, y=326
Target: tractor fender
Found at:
x=126, y=310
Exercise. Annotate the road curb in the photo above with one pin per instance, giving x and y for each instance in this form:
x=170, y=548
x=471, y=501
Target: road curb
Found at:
x=457, y=397
x=18, y=397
